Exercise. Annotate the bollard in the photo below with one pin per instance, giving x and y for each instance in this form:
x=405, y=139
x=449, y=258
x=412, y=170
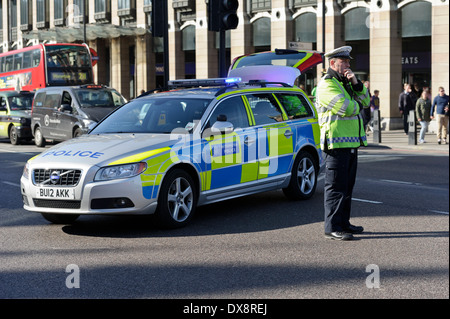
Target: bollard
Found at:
x=412, y=129
x=376, y=124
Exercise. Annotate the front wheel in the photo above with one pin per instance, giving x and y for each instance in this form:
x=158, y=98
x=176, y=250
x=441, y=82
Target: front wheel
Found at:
x=77, y=132
x=177, y=200
x=304, y=177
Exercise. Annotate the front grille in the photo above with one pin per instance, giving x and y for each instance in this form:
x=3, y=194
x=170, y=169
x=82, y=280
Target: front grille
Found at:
x=56, y=177
x=51, y=203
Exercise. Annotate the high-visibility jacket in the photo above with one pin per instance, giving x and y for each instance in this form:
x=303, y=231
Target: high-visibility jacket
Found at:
x=341, y=125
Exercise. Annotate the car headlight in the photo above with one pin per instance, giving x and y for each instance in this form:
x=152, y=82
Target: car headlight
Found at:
x=89, y=123
x=26, y=171
x=119, y=171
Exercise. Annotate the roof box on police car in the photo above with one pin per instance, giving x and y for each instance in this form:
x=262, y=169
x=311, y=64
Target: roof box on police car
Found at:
x=274, y=66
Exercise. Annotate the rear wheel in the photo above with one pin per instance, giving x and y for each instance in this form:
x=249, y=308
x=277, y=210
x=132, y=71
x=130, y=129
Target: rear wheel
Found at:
x=60, y=218
x=304, y=177
x=177, y=200
x=39, y=139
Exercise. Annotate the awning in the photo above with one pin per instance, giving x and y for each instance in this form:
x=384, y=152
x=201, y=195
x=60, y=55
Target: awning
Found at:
x=75, y=33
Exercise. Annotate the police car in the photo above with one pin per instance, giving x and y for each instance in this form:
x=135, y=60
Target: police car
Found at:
x=15, y=115
x=167, y=153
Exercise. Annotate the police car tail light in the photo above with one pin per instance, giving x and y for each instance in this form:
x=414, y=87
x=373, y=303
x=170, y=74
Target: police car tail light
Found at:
x=119, y=171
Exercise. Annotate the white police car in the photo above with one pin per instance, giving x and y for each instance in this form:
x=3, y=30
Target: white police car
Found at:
x=167, y=153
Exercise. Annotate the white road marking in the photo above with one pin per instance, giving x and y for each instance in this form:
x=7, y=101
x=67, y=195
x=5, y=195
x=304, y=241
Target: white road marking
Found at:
x=438, y=212
x=400, y=182
x=10, y=183
x=366, y=201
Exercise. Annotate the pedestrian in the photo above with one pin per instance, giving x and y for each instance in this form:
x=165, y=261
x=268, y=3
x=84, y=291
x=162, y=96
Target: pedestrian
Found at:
x=406, y=102
x=423, y=109
x=374, y=106
x=417, y=90
x=442, y=113
x=365, y=112
x=338, y=98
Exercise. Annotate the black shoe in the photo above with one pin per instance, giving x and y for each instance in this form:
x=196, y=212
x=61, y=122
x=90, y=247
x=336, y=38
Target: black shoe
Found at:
x=339, y=235
x=354, y=229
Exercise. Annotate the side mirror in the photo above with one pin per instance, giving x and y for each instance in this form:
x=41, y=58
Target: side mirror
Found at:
x=222, y=126
x=65, y=108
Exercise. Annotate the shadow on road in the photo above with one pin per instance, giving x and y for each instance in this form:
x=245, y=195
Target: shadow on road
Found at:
x=261, y=212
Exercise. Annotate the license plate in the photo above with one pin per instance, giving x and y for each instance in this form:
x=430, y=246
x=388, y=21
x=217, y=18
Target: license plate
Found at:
x=55, y=193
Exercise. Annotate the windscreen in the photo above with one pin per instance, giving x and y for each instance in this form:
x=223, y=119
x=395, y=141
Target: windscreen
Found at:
x=99, y=98
x=20, y=102
x=68, y=65
x=155, y=115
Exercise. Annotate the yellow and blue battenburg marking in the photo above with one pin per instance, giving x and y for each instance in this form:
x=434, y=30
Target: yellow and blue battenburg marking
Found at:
x=223, y=166
x=225, y=160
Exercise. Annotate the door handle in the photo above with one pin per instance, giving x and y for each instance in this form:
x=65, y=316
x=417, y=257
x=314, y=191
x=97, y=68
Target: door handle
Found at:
x=249, y=140
x=288, y=133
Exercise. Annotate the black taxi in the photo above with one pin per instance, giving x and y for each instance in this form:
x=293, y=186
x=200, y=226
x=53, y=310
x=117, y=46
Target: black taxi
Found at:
x=15, y=115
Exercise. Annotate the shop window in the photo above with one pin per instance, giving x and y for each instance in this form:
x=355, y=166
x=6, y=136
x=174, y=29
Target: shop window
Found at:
x=306, y=27
x=356, y=24
x=261, y=33
x=188, y=35
x=416, y=19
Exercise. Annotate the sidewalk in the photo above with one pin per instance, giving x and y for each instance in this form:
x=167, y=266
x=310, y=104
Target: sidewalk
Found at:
x=398, y=140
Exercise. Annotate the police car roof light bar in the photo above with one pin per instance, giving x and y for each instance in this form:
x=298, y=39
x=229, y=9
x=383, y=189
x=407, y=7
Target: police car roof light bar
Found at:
x=204, y=82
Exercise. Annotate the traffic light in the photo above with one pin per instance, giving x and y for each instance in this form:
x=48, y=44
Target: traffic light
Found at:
x=222, y=15
x=158, y=18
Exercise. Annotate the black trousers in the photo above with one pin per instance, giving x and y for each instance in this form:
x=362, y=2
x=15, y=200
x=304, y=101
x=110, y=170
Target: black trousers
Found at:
x=405, y=122
x=340, y=176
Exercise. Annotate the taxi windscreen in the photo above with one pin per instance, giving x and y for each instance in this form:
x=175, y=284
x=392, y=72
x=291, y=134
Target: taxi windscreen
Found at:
x=21, y=102
x=154, y=115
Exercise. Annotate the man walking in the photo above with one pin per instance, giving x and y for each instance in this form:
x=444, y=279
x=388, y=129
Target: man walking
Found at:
x=441, y=104
x=339, y=98
x=406, y=102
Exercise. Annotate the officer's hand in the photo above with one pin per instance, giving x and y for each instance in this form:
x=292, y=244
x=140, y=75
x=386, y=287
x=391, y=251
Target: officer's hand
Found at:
x=350, y=76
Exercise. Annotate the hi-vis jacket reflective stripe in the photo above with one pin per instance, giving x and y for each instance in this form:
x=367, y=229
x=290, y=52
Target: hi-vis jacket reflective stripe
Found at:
x=341, y=126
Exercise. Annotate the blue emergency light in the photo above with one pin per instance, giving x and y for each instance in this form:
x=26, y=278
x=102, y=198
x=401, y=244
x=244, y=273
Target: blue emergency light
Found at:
x=204, y=82
x=233, y=80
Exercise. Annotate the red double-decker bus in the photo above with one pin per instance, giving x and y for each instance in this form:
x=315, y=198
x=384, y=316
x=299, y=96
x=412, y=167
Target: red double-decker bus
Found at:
x=43, y=65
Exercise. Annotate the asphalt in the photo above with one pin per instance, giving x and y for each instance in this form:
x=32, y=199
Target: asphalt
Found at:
x=398, y=140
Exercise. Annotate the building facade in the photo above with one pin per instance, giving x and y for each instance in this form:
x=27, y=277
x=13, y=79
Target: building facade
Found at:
x=394, y=41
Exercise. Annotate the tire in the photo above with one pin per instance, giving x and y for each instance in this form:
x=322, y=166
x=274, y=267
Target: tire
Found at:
x=77, y=132
x=13, y=138
x=177, y=200
x=303, y=178
x=60, y=218
x=39, y=139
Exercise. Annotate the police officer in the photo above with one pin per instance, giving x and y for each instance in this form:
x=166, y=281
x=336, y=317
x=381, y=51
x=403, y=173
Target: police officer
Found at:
x=339, y=98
